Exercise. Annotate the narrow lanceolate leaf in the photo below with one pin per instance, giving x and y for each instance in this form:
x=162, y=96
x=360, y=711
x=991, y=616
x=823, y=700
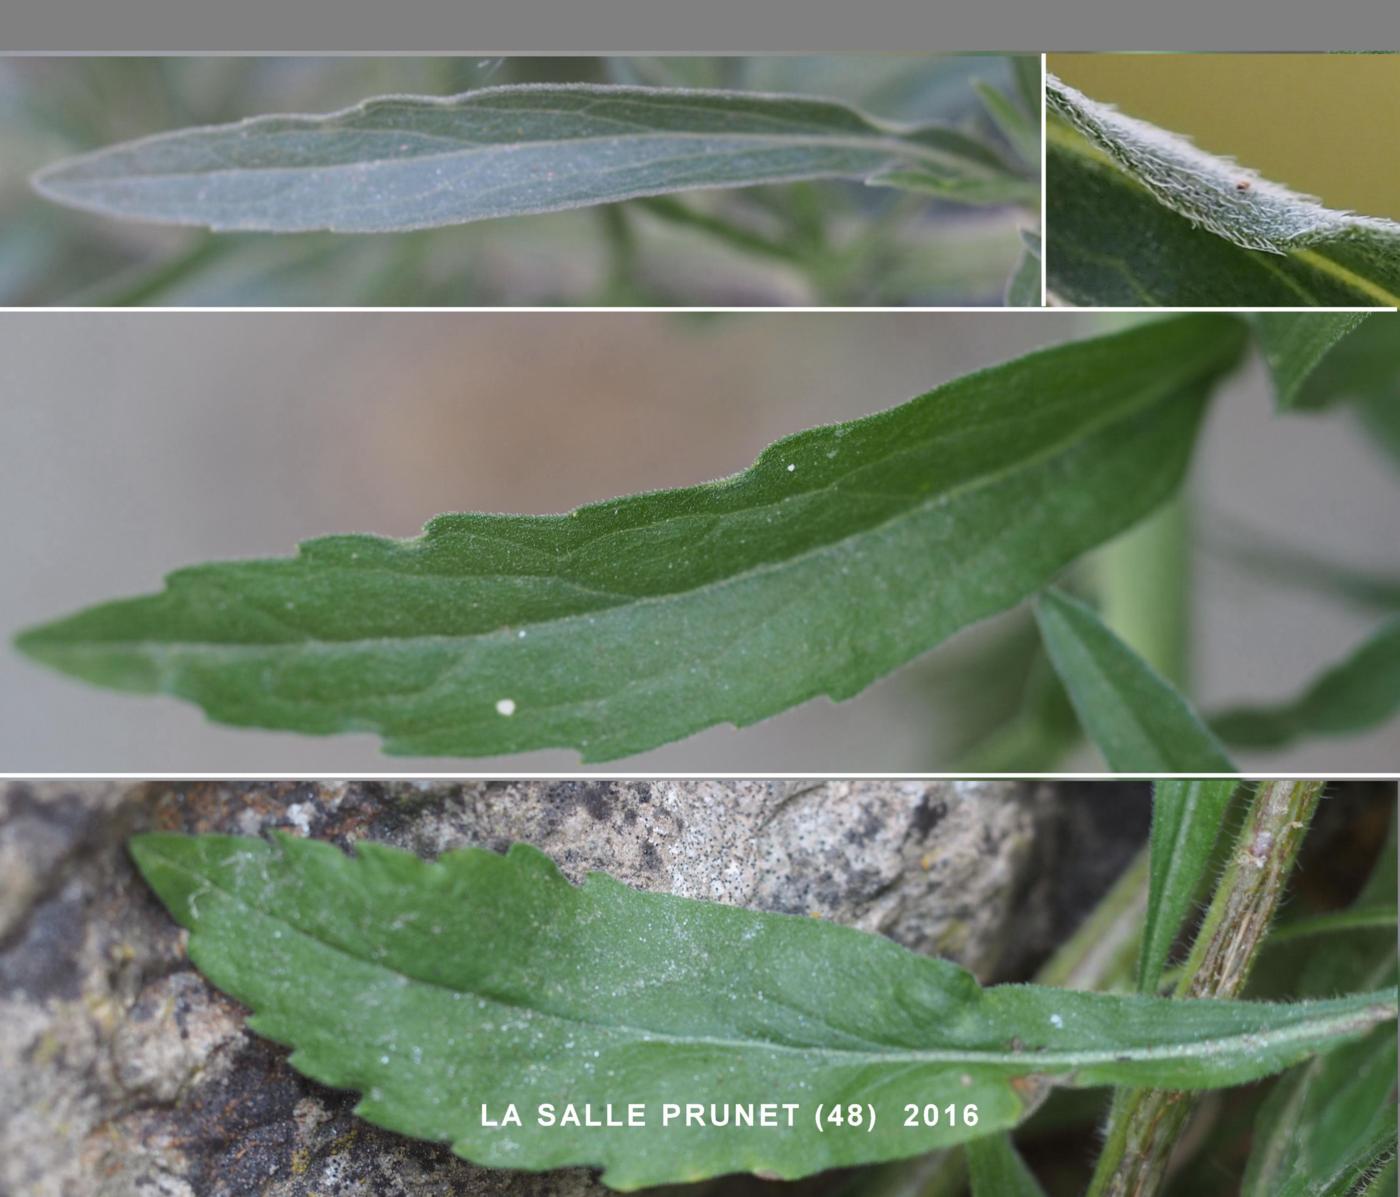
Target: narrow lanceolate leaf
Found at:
x=413, y=162
x=842, y=553
x=1023, y=289
x=1328, y=1127
x=1133, y=715
x=1187, y=816
x=996, y=1169
x=1353, y=696
x=441, y=991
x=1138, y=215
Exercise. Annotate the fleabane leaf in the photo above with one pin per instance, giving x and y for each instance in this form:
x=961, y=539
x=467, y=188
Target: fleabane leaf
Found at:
x=1356, y=694
x=1138, y=215
x=1187, y=815
x=413, y=162
x=437, y=989
x=842, y=553
x=1134, y=716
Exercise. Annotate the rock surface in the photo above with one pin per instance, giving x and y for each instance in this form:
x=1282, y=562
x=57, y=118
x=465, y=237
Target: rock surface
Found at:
x=126, y=1074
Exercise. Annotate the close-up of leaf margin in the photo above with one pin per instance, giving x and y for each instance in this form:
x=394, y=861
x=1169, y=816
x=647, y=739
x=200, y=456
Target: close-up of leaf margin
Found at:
x=432, y=988
x=397, y=163
x=1137, y=215
x=842, y=553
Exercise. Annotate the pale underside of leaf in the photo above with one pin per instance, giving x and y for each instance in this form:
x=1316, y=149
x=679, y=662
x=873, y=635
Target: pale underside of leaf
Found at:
x=409, y=162
x=1311, y=254
x=432, y=988
x=842, y=553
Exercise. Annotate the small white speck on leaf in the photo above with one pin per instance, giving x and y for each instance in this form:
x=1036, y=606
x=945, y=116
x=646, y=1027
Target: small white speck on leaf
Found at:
x=505, y=706
x=791, y=467
x=1056, y=1021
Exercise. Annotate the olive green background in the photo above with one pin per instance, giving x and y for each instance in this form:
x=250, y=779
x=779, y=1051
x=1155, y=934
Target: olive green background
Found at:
x=1327, y=125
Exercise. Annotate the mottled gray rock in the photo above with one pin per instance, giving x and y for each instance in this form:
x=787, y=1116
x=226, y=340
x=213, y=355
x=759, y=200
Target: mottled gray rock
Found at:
x=125, y=1074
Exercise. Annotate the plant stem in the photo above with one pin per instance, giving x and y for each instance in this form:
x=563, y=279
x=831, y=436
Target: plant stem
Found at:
x=1146, y=1123
x=1144, y=582
x=1098, y=956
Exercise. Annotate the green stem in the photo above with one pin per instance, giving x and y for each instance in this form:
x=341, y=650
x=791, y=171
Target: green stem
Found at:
x=1144, y=583
x=621, y=240
x=674, y=211
x=1145, y=1124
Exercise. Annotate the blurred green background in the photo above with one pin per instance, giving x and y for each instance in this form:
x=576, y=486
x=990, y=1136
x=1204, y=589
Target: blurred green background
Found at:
x=1327, y=125
x=842, y=243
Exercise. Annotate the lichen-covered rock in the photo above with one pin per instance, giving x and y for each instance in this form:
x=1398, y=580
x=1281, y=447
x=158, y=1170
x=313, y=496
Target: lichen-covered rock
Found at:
x=125, y=1074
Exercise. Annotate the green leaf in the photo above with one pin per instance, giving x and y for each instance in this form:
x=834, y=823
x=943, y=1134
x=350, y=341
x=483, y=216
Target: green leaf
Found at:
x=1187, y=817
x=842, y=553
x=435, y=988
x=1135, y=717
x=996, y=1169
x=1028, y=85
x=413, y=162
x=1362, y=369
x=1329, y=1125
x=1023, y=288
x=1020, y=128
x=1137, y=215
x=1295, y=344
x=1353, y=696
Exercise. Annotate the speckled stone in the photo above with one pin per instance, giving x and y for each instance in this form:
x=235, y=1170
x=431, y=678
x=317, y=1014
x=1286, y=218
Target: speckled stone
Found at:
x=126, y=1075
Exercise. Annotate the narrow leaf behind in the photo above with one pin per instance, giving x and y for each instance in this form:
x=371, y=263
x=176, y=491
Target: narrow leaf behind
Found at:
x=1023, y=288
x=413, y=162
x=1357, y=694
x=1330, y=1123
x=1187, y=816
x=1137, y=215
x=435, y=988
x=1134, y=716
x=1294, y=344
x=842, y=553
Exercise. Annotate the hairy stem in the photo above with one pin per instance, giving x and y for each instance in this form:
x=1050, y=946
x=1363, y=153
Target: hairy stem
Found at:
x=1146, y=1123
x=1100, y=955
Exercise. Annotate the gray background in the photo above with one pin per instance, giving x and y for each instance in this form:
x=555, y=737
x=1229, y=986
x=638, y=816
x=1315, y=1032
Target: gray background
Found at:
x=133, y=444
x=645, y=26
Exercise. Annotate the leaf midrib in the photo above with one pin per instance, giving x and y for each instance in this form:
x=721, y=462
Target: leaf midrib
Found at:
x=890, y=144
x=1359, y=1019
x=1150, y=396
